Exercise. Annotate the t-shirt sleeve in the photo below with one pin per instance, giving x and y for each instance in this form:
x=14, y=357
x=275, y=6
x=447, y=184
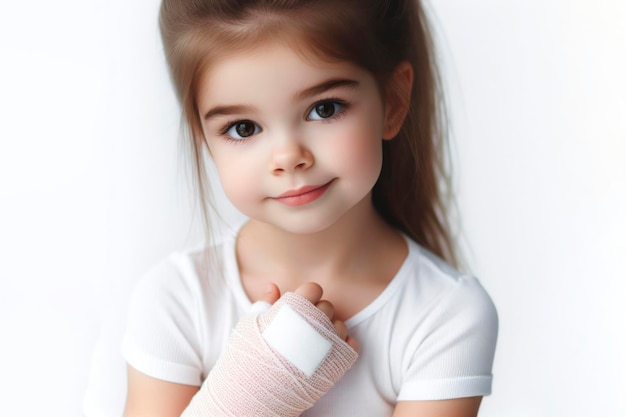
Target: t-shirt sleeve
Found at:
x=451, y=356
x=161, y=339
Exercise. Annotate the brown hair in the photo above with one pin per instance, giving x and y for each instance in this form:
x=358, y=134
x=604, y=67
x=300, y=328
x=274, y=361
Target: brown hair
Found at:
x=376, y=35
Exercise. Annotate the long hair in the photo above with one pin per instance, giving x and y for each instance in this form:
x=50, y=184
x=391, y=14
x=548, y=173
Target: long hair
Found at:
x=377, y=35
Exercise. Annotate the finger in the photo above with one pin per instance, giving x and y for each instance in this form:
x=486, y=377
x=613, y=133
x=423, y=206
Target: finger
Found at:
x=353, y=344
x=326, y=307
x=342, y=329
x=311, y=291
x=272, y=293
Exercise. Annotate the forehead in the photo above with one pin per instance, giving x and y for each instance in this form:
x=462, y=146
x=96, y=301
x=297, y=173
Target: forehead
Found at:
x=270, y=69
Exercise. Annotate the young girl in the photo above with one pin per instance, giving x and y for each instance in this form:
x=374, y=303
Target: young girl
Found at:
x=322, y=119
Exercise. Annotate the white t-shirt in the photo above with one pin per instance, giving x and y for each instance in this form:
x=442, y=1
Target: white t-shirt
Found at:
x=431, y=333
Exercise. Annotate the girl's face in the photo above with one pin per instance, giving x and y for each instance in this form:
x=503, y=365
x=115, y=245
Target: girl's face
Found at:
x=297, y=143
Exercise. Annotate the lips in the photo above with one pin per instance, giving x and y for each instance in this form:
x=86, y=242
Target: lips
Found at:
x=303, y=195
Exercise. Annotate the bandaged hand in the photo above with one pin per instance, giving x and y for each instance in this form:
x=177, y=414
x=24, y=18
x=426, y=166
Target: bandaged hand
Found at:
x=279, y=360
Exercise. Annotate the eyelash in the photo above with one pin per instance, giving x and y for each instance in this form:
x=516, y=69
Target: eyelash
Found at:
x=344, y=106
x=224, y=131
x=343, y=103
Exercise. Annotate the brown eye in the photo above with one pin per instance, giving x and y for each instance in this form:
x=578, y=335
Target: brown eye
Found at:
x=243, y=129
x=325, y=110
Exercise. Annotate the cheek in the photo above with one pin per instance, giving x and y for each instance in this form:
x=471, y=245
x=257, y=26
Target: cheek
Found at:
x=358, y=151
x=236, y=177
x=233, y=185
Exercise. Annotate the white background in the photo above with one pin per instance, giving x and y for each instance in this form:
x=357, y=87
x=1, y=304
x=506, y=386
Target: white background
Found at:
x=93, y=191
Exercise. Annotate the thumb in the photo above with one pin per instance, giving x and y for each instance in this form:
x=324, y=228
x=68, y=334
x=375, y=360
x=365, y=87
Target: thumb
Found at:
x=271, y=295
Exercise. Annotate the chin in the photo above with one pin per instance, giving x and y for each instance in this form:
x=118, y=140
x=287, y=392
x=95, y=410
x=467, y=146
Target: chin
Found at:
x=304, y=228
x=305, y=225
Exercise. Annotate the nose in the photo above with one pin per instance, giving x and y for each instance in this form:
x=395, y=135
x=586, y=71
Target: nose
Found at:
x=290, y=157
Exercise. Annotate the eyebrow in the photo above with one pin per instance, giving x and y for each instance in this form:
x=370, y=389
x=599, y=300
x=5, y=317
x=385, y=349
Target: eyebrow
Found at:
x=302, y=95
x=228, y=110
x=325, y=86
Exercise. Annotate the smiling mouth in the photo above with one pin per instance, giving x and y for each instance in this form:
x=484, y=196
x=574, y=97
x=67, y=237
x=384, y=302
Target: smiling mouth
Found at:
x=303, y=195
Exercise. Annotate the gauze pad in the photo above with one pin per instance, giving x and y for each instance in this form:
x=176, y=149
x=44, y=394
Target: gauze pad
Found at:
x=278, y=363
x=296, y=340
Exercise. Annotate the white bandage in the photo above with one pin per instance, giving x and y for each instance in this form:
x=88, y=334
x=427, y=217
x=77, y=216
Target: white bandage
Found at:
x=310, y=348
x=278, y=363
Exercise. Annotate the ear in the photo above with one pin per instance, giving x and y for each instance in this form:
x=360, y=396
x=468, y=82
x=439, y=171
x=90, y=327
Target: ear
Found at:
x=398, y=99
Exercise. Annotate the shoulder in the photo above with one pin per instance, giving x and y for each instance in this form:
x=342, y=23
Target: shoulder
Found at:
x=178, y=275
x=447, y=290
x=181, y=290
x=453, y=328
x=167, y=314
x=191, y=271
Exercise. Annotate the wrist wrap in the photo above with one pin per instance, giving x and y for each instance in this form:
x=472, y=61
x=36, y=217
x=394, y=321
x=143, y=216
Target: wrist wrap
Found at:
x=277, y=363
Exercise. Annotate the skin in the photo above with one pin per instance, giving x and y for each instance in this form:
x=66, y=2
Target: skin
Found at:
x=332, y=246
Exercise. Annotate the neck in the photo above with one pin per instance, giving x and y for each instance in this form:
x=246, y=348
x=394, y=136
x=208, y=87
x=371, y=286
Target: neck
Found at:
x=348, y=246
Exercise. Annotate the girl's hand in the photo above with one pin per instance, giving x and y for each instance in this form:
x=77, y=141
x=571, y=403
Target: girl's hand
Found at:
x=280, y=358
x=149, y=396
x=313, y=292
